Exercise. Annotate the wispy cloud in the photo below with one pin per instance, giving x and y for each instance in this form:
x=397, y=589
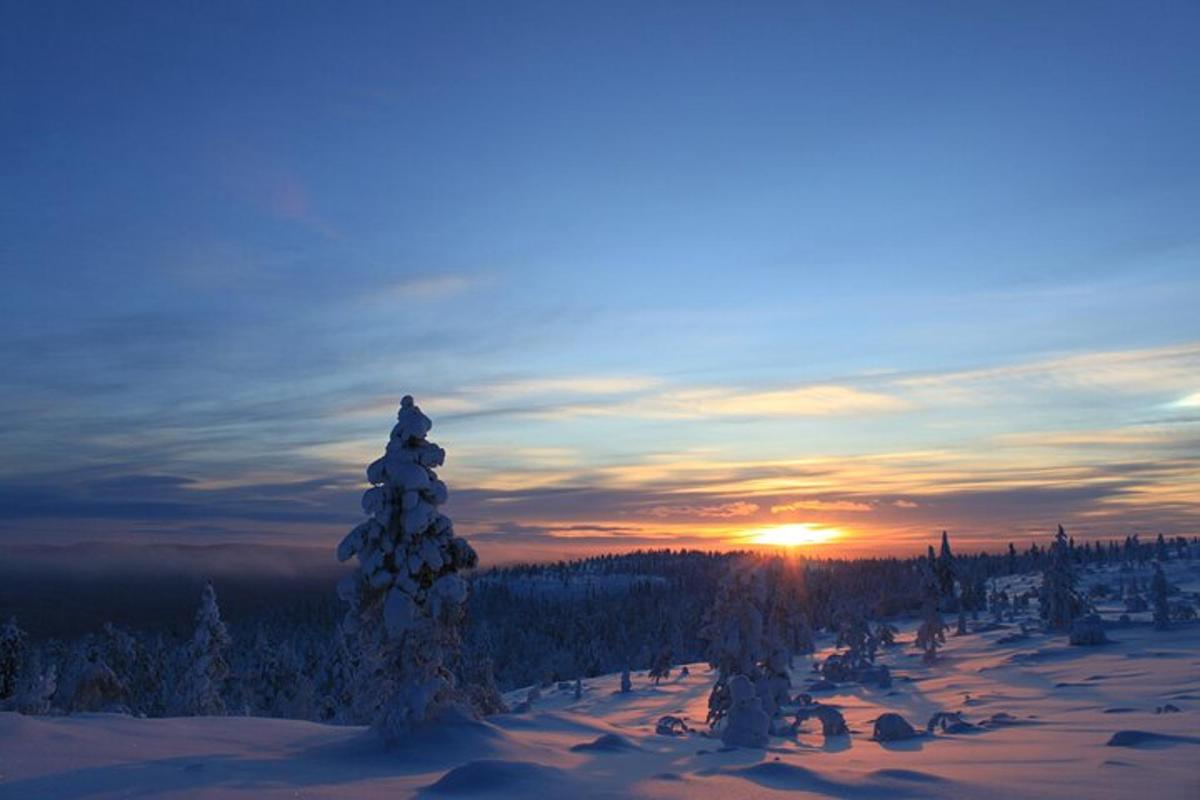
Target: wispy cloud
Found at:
x=821, y=505
x=421, y=287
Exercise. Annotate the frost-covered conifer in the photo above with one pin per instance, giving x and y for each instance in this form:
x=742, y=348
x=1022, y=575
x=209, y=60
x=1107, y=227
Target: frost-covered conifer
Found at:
x=734, y=632
x=774, y=683
x=1060, y=603
x=98, y=688
x=626, y=683
x=932, y=632
x=407, y=599
x=1160, y=549
x=201, y=690
x=944, y=569
x=334, y=700
x=38, y=692
x=12, y=654
x=1158, y=591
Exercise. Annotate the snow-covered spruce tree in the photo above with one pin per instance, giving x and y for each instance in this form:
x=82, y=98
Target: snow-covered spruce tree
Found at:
x=407, y=600
x=944, y=569
x=98, y=688
x=931, y=633
x=1060, y=603
x=201, y=690
x=1160, y=549
x=1158, y=593
x=734, y=632
x=37, y=693
x=12, y=654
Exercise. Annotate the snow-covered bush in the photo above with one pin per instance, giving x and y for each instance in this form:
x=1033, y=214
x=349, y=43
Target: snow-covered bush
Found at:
x=832, y=721
x=671, y=726
x=201, y=690
x=407, y=597
x=949, y=722
x=892, y=727
x=748, y=724
x=660, y=668
x=1087, y=631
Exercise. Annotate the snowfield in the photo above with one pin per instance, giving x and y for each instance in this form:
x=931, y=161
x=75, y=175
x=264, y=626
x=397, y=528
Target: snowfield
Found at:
x=1081, y=722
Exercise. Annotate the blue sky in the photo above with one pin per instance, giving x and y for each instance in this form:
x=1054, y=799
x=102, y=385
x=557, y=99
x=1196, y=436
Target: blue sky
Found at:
x=646, y=266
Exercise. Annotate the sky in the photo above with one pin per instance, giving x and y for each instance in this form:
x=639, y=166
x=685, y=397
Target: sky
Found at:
x=661, y=274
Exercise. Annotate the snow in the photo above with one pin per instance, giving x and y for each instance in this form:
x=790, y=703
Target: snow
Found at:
x=1068, y=722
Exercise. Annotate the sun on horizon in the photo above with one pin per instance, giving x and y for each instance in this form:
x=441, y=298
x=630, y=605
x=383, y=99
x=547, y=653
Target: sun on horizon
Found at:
x=795, y=534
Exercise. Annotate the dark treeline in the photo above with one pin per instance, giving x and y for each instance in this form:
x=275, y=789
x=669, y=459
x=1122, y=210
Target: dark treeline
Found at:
x=526, y=624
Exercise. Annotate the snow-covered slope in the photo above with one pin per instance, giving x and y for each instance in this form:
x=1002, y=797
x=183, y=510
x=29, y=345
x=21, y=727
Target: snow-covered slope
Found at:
x=1068, y=702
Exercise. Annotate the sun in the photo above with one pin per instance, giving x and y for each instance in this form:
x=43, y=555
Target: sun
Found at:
x=794, y=535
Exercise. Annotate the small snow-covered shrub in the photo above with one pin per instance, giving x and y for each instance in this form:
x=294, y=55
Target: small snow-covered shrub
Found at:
x=832, y=721
x=747, y=724
x=671, y=726
x=949, y=722
x=660, y=668
x=1088, y=631
x=836, y=669
x=892, y=727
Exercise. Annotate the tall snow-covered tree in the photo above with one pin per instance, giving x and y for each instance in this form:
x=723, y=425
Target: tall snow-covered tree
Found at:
x=1060, y=602
x=931, y=633
x=12, y=654
x=944, y=569
x=734, y=631
x=407, y=598
x=201, y=690
x=1158, y=593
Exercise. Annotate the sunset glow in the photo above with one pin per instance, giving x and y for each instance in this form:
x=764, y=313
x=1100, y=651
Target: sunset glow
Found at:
x=795, y=535
x=785, y=282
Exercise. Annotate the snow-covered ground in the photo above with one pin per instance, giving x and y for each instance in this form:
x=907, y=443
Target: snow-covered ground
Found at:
x=1066, y=702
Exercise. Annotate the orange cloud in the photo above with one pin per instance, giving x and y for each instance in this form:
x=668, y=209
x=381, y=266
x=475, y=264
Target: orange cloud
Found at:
x=821, y=505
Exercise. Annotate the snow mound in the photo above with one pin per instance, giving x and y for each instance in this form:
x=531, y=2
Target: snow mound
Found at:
x=493, y=776
x=911, y=775
x=606, y=743
x=1149, y=739
x=789, y=777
